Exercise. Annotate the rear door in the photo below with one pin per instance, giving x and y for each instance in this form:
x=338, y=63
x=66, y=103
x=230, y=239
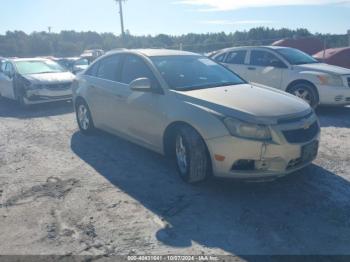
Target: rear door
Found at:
x=265, y=68
x=106, y=94
x=236, y=61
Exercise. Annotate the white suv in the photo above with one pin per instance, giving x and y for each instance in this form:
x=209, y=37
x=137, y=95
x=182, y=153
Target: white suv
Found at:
x=290, y=70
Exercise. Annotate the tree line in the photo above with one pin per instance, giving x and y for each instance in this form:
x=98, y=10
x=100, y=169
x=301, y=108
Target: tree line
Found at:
x=71, y=43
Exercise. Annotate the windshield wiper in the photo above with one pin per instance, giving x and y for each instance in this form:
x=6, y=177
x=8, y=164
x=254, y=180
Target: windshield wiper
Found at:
x=190, y=88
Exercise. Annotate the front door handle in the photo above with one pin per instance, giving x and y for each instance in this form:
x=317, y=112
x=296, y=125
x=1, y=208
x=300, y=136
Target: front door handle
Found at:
x=251, y=68
x=119, y=96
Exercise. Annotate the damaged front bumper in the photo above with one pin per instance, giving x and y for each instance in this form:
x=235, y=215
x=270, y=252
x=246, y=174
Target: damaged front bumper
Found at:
x=234, y=157
x=48, y=94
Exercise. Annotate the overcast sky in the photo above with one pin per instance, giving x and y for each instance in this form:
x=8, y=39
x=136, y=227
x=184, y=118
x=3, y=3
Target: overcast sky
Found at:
x=143, y=17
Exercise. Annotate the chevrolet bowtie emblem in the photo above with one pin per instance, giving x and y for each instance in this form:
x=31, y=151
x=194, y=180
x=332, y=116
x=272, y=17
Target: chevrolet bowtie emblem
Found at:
x=306, y=125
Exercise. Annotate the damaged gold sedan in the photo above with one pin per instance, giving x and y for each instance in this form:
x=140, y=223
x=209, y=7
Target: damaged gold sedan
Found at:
x=206, y=117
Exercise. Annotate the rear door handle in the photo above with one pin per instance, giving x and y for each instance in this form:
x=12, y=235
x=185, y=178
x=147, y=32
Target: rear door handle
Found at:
x=251, y=68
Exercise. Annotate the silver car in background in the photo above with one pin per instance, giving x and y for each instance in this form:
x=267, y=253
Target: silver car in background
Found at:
x=189, y=107
x=35, y=80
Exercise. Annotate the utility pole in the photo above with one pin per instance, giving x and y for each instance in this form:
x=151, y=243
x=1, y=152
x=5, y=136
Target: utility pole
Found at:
x=121, y=16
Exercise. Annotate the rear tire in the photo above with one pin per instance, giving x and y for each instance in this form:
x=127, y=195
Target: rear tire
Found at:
x=305, y=92
x=191, y=155
x=84, y=119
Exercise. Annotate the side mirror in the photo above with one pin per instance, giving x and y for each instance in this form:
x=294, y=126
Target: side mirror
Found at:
x=141, y=85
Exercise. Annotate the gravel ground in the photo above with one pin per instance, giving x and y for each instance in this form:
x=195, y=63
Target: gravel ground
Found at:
x=62, y=193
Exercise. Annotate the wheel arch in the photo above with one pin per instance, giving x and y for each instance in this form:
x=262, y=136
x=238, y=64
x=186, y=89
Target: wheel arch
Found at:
x=79, y=98
x=170, y=132
x=169, y=139
x=303, y=81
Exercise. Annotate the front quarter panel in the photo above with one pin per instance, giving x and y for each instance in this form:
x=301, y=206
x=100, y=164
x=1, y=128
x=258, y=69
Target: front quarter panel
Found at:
x=206, y=122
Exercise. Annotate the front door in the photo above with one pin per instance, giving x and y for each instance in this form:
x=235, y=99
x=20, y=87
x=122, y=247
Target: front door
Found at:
x=142, y=114
x=265, y=68
x=235, y=61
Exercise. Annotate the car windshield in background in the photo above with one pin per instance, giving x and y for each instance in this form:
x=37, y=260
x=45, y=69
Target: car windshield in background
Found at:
x=82, y=62
x=38, y=67
x=185, y=73
x=296, y=57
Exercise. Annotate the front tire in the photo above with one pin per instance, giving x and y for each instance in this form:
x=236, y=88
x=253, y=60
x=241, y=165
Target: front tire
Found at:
x=191, y=155
x=84, y=119
x=20, y=98
x=305, y=92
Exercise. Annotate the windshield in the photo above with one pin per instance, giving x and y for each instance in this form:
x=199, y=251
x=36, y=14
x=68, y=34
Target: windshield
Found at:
x=38, y=67
x=82, y=62
x=296, y=57
x=194, y=72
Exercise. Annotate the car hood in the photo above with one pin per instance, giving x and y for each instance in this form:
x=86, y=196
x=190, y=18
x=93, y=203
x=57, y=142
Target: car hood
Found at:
x=50, y=78
x=247, y=102
x=324, y=68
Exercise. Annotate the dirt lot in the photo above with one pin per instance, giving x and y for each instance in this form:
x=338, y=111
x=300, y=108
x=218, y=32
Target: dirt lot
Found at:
x=63, y=193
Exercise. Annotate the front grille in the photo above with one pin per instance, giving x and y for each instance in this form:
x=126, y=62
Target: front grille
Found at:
x=302, y=135
x=64, y=86
x=293, y=119
x=338, y=98
x=294, y=163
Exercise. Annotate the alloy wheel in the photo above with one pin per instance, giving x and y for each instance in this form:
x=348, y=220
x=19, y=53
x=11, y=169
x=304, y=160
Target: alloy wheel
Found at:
x=304, y=94
x=83, y=117
x=181, y=155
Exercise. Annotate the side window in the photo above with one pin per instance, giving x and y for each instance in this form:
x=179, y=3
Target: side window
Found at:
x=263, y=58
x=134, y=67
x=92, y=71
x=109, y=68
x=220, y=58
x=236, y=57
x=10, y=68
x=3, y=67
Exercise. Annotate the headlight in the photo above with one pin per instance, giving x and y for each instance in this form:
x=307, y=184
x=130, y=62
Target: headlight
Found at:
x=330, y=80
x=246, y=130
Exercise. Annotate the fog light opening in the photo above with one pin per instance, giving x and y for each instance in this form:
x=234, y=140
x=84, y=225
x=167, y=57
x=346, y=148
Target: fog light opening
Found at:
x=262, y=165
x=244, y=165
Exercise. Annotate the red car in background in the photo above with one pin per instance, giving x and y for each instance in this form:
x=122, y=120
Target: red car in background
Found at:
x=335, y=56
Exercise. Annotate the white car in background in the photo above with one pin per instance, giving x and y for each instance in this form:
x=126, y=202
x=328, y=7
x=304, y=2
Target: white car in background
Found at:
x=290, y=70
x=35, y=80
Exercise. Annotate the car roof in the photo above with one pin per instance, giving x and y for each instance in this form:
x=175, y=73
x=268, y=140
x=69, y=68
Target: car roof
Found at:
x=155, y=52
x=249, y=47
x=28, y=59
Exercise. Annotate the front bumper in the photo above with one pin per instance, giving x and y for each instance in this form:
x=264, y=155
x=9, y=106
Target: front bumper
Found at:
x=272, y=160
x=334, y=96
x=44, y=95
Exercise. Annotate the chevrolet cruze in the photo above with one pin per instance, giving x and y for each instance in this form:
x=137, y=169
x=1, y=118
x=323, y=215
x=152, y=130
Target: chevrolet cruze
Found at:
x=195, y=110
